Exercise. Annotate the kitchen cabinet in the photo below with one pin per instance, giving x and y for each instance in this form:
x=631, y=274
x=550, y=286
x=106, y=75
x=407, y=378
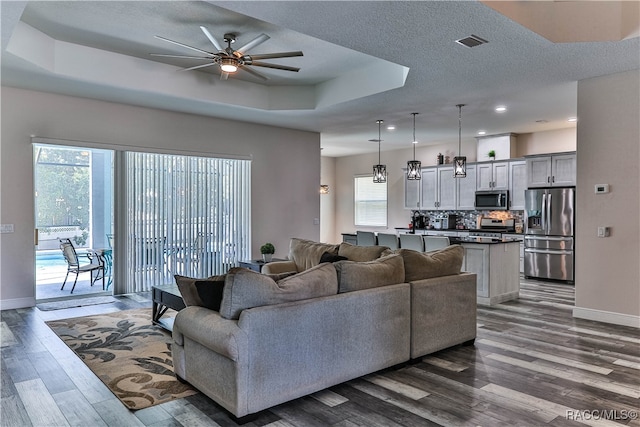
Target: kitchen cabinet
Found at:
x=492, y=176
x=467, y=189
x=556, y=170
x=496, y=266
x=412, y=190
x=517, y=184
x=438, y=188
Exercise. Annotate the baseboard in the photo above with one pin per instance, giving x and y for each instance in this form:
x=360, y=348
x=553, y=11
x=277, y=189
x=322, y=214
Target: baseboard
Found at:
x=607, y=317
x=10, y=304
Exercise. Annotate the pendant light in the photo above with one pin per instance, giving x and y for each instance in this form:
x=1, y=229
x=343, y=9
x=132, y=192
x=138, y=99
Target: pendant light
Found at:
x=413, y=166
x=460, y=162
x=379, y=171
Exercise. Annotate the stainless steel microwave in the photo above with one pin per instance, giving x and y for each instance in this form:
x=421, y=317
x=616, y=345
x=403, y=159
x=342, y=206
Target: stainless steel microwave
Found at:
x=492, y=200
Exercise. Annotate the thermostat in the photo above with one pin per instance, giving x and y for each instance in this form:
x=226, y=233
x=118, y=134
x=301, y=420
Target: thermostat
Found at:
x=602, y=188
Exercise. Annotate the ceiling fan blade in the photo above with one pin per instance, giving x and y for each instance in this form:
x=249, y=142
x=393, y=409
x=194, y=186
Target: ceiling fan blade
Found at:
x=198, y=66
x=224, y=75
x=180, y=56
x=253, y=43
x=184, y=45
x=274, y=66
x=254, y=73
x=273, y=55
x=213, y=41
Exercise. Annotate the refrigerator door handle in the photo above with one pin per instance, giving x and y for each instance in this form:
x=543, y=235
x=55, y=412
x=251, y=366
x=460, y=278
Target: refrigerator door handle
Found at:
x=548, y=251
x=544, y=212
x=552, y=238
x=548, y=213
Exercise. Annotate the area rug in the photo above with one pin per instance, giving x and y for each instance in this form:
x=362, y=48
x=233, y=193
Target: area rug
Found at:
x=75, y=302
x=128, y=353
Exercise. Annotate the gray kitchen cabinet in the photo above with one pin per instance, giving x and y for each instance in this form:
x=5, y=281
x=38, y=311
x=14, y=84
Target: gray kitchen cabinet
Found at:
x=467, y=189
x=556, y=170
x=438, y=188
x=412, y=189
x=492, y=176
x=517, y=184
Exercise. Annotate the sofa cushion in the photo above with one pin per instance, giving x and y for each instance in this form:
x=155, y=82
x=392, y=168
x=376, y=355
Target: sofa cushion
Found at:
x=329, y=257
x=425, y=265
x=245, y=288
x=355, y=276
x=362, y=253
x=307, y=253
x=201, y=292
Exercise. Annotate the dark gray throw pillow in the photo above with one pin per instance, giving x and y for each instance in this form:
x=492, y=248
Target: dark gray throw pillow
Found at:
x=329, y=257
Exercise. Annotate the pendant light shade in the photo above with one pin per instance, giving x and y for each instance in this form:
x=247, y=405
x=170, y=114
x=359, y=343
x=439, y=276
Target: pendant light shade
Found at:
x=379, y=170
x=414, y=166
x=460, y=162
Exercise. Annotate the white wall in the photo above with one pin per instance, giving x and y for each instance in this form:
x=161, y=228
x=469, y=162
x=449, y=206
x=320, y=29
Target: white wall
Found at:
x=285, y=168
x=551, y=141
x=608, y=269
x=328, y=201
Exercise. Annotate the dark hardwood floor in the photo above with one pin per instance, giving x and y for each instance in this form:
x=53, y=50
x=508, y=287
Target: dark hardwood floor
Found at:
x=533, y=364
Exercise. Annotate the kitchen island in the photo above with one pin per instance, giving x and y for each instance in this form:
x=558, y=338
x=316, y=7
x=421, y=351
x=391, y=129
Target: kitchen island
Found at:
x=496, y=262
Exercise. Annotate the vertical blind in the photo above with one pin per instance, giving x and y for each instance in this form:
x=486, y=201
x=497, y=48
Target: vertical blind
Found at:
x=185, y=215
x=370, y=204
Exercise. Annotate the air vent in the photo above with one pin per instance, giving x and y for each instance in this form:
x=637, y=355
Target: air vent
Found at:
x=471, y=41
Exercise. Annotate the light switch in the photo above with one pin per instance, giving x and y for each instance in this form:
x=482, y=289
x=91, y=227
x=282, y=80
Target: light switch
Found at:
x=603, y=231
x=601, y=188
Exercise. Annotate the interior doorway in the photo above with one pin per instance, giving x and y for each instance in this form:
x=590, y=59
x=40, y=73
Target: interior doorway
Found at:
x=73, y=199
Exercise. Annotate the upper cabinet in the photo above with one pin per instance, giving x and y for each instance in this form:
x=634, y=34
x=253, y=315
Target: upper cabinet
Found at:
x=557, y=170
x=438, y=188
x=492, y=176
x=412, y=189
x=467, y=189
x=517, y=184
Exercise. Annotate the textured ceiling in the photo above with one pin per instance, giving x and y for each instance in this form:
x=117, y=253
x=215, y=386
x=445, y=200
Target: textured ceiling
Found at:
x=362, y=61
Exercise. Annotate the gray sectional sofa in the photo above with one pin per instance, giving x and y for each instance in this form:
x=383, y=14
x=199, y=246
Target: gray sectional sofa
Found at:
x=305, y=325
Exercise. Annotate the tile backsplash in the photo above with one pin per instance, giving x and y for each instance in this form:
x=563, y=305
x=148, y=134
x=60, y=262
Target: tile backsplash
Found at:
x=468, y=219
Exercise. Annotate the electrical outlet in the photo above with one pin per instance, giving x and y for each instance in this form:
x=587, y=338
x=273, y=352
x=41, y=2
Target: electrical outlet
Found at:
x=603, y=232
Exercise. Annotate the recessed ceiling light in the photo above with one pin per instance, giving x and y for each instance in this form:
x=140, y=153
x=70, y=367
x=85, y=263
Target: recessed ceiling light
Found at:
x=482, y=132
x=501, y=109
x=391, y=127
x=572, y=119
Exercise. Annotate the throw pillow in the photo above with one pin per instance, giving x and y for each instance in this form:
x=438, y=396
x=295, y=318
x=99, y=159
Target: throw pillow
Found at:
x=425, y=265
x=201, y=292
x=354, y=276
x=362, y=253
x=307, y=253
x=329, y=257
x=245, y=288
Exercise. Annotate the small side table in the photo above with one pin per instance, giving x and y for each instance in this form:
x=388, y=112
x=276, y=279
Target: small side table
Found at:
x=165, y=297
x=257, y=264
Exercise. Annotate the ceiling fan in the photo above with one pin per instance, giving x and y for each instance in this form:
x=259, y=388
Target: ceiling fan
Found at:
x=231, y=60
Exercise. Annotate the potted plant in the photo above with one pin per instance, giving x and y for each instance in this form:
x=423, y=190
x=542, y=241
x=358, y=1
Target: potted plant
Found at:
x=492, y=154
x=267, y=250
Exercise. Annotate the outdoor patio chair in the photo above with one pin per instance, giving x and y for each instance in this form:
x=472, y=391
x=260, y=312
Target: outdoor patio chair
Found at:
x=73, y=265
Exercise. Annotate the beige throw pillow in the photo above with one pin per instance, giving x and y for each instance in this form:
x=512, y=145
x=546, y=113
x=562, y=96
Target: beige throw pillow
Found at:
x=355, y=276
x=362, y=253
x=245, y=288
x=425, y=265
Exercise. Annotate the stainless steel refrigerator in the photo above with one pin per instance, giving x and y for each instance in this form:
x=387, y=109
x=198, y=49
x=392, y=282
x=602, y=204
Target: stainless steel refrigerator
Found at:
x=548, y=240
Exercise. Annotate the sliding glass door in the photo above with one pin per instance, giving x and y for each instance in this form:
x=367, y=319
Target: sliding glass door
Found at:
x=184, y=215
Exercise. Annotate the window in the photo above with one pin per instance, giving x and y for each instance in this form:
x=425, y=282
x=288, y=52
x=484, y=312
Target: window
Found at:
x=185, y=215
x=370, y=204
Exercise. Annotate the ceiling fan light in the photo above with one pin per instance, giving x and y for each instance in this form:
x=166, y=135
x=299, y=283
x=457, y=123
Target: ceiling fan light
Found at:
x=229, y=65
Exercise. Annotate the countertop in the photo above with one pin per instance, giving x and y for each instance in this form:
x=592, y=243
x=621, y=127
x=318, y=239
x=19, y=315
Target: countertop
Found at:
x=481, y=240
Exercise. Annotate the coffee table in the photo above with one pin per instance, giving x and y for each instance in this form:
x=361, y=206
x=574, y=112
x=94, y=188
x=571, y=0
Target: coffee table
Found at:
x=165, y=297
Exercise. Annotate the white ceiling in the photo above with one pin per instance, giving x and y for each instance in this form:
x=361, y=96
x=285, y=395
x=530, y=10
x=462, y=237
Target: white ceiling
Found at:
x=362, y=61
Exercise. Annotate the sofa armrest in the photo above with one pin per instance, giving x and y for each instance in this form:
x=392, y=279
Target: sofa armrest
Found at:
x=209, y=329
x=278, y=267
x=443, y=312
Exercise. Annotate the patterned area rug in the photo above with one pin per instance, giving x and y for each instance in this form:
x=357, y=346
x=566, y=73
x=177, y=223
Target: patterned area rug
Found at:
x=128, y=353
